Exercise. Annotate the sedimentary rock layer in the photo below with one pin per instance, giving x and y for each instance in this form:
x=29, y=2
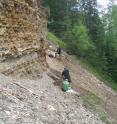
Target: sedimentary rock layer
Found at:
x=22, y=24
x=22, y=35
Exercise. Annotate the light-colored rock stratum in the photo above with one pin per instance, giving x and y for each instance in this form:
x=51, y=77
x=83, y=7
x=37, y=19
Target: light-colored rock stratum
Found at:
x=22, y=36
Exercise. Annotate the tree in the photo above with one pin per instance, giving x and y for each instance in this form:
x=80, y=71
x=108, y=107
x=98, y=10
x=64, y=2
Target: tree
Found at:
x=78, y=41
x=86, y=34
x=91, y=17
x=58, y=13
x=111, y=38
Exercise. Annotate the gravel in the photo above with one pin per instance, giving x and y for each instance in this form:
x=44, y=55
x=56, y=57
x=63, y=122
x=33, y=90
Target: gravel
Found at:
x=40, y=102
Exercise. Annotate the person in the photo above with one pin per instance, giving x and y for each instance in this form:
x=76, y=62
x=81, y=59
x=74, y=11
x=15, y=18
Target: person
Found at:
x=66, y=75
x=58, y=52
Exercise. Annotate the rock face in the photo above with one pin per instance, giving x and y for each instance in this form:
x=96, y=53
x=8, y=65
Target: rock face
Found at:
x=22, y=33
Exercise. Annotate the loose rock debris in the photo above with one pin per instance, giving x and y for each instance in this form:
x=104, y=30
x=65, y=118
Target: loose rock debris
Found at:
x=40, y=101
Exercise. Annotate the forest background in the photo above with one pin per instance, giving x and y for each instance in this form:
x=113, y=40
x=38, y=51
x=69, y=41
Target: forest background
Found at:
x=88, y=33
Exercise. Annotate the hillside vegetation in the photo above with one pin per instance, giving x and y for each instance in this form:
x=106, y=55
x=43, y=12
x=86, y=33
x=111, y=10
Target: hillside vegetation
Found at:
x=51, y=37
x=100, y=75
x=88, y=33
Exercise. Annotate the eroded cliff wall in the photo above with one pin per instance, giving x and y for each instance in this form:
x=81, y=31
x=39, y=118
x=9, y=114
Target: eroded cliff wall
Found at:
x=22, y=33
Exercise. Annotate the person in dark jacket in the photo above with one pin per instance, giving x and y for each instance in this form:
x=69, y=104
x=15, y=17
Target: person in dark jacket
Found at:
x=66, y=75
x=58, y=52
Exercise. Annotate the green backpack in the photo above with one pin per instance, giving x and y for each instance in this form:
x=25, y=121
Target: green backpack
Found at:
x=66, y=85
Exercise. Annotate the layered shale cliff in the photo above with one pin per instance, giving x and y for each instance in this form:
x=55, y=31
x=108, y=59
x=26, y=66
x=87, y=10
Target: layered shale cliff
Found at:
x=22, y=36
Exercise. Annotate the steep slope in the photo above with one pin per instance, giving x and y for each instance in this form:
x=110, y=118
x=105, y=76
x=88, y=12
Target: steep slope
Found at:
x=86, y=83
x=40, y=102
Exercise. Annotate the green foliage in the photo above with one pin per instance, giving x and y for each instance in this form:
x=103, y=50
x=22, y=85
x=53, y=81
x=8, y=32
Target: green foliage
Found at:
x=55, y=40
x=93, y=40
x=58, y=13
x=91, y=16
x=81, y=35
x=111, y=47
x=78, y=41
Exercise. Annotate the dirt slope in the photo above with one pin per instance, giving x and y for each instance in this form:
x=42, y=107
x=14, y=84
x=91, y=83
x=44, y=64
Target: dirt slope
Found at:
x=85, y=82
x=40, y=102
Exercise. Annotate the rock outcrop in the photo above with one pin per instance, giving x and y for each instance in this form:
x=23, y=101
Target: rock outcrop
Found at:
x=22, y=34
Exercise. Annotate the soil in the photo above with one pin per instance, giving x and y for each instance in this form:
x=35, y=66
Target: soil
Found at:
x=39, y=99
x=85, y=82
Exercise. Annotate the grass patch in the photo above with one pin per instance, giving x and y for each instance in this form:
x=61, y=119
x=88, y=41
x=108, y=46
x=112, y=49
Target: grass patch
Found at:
x=55, y=40
x=91, y=100
x=100, y=75
x=104, y=117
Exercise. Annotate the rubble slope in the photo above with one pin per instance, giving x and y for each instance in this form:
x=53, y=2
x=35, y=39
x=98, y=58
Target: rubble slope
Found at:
x=40, y=102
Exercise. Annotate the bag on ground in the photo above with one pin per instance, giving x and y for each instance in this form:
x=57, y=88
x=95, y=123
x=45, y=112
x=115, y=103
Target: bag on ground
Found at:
x=66, y=85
